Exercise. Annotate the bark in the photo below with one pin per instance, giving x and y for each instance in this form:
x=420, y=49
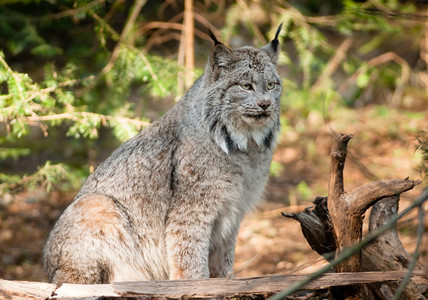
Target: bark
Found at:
x=316, y=227
x=336, y=223
x=214, y=288
x=189, y=41
x=347, y=209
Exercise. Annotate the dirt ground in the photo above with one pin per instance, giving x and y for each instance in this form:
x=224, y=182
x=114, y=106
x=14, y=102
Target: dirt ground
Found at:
x=268, y=243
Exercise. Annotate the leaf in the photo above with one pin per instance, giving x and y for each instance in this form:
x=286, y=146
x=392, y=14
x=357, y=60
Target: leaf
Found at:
x=363, y=79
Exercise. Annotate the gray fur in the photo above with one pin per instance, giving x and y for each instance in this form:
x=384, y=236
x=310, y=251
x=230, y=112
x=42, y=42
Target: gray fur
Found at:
x=168, y=203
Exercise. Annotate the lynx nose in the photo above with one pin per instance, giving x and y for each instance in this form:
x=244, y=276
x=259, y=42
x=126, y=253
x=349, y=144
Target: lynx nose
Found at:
x=264, y=104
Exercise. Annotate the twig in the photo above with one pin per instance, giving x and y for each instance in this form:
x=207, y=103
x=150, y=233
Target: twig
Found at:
x=113, y=9
x=277, y=211
x=299, y=19
x=168, y=25
x=69, y=12
x=364, y=170
x=333, y=63
x=253, y=26
x=149, y=68
x=128, y=26
x=321, y=20
x=115, y=54
x=214, y=15
x=77, y=115
x=204, y=21
x=161, y=25
x=164, y=5
x=49, y=90
x=378, y=60
x=15, y=78
x=113, y=32
x=157, y=34
x=156, y=39
x=131, y=47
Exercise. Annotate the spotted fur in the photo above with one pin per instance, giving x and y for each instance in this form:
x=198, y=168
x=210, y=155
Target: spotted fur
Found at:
x=168, y=203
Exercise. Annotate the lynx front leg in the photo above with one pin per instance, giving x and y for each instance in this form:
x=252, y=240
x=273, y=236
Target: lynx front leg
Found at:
x=221, y=259
x=187, y=242
x=222, y=248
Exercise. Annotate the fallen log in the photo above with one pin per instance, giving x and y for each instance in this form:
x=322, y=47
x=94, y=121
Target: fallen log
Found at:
x=219, y=288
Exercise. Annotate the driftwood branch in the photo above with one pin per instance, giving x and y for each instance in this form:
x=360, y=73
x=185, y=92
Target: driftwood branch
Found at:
x=347, y=209
x=335, y=225
x=364, y=197
x=174, y=289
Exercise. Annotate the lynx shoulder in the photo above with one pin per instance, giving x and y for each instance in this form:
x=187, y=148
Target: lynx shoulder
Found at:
x=168, y=203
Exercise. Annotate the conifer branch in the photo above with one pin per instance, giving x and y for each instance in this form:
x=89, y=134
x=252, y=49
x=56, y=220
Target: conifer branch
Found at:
x=76, y=116
x=115, y=54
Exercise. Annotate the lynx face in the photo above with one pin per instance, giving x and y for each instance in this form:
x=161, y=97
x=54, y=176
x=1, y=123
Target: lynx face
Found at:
x=243, y=102
x=256, y=89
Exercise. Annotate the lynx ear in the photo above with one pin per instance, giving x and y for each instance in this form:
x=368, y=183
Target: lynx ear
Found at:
x=221, y=56
x=272, y=49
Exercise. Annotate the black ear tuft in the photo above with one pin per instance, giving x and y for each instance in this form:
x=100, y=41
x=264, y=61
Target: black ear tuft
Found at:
x=272, y=49
x=212, y=36
x=221, y=55
x=274, y=43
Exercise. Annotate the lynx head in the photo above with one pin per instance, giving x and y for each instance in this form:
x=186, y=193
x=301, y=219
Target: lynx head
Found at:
x=243, y=92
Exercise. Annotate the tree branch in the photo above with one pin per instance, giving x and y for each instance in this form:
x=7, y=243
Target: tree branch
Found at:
x=363, y=197
x=337, y=163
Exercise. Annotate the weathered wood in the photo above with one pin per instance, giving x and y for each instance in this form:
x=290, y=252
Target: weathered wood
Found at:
x=347, y=208
x=215, y=287
x=338, y=225
x=25, y=289
x=316, y=227
x=387, y=253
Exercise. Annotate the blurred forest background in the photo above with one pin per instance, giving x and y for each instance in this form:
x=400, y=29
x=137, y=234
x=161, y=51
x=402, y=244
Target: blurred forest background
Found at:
x=79, y=77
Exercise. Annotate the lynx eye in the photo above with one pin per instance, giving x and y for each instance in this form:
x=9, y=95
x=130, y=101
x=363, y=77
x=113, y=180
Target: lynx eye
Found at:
x=246, y=86
x=271, y=85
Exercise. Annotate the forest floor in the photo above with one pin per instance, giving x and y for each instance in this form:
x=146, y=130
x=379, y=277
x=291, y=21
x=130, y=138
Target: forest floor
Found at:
x=383, y=147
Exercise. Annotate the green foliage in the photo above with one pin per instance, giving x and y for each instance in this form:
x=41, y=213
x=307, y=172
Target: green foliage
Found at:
x=13, y=153
x=46, y=176
x=77, y=71
x=85, y=85
x=304, y=191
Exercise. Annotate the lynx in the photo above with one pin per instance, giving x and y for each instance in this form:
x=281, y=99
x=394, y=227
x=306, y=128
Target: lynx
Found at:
x=168, y=203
